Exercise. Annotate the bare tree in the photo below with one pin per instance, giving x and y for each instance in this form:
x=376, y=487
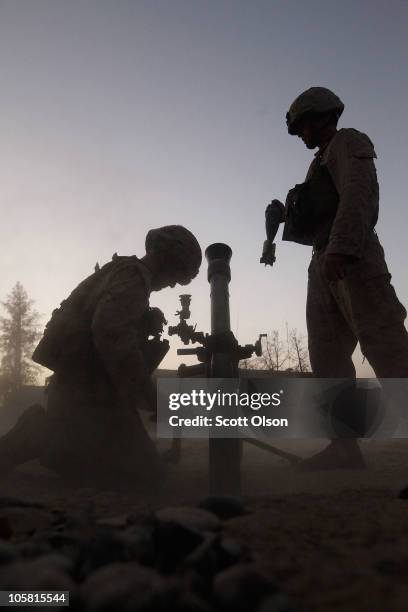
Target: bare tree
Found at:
x=274, y=355
x=298, y=351
x=248, y=364
x=279, y=356
x=18, y=334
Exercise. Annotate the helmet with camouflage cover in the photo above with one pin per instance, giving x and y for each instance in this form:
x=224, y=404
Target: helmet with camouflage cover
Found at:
x=178, y=247
x=316, y=100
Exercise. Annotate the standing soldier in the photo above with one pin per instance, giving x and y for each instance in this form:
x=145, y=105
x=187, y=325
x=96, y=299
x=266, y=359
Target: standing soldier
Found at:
x=350, y=297
x=103, y=344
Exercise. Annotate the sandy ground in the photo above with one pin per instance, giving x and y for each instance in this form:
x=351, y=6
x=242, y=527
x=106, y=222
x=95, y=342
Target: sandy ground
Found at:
x=334, y=541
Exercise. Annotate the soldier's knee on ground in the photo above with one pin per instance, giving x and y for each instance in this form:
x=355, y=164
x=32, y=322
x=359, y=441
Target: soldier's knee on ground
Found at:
x=25, y=440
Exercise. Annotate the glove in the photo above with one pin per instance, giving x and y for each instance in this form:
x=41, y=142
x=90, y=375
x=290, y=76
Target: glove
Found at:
x=155, y=350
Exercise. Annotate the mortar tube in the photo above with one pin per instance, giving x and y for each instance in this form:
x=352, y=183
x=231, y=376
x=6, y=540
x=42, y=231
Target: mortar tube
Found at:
x=224, y=453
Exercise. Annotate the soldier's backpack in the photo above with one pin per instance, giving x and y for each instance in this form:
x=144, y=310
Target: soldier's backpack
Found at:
x=67, y=339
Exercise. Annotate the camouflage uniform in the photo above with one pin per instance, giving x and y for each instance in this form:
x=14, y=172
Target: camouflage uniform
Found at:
x=98, y=345
x=91, y=428
x=363, y=306
x=92, y=405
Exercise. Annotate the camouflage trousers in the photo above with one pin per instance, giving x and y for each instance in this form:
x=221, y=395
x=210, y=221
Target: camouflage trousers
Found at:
x=90, y=433
x=356, y=309
x=84, y=434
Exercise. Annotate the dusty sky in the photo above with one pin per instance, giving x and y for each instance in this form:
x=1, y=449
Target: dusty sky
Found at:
x=119, y=116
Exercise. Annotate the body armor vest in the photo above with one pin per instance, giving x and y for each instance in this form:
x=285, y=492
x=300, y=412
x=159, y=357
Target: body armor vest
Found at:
x=311, y=208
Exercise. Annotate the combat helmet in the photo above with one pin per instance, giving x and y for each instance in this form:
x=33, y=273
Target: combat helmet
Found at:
x=315, y=100
x=178, y=247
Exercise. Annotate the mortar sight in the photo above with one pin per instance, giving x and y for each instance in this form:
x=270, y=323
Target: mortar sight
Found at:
x=185, y=301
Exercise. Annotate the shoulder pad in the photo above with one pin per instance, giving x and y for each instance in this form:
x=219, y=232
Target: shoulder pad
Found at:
x=357, y=143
